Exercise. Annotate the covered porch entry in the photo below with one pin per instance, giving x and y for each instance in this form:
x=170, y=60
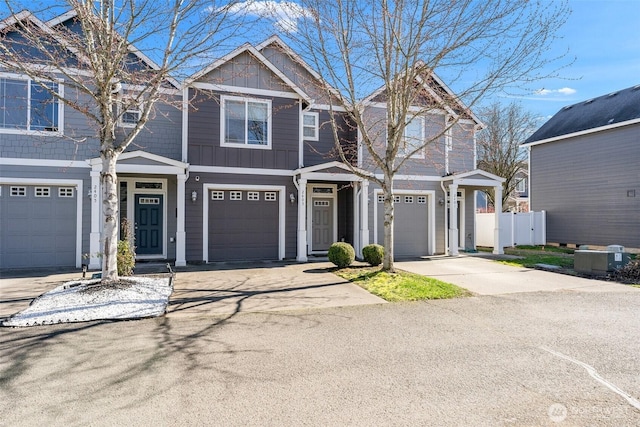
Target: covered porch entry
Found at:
x=469, y=181
x=331, y=202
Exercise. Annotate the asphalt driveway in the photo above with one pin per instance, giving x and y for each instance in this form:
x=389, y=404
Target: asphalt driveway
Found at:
x=225, y=289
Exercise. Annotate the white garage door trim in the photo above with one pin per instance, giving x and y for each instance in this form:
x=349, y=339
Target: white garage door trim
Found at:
x=77, y=183
x=206, y=188
x=431, y=206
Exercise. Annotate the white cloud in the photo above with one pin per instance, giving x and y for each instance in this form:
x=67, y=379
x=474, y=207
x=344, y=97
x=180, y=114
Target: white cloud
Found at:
x=561, y=91
x=567, y=91
x=285, y=14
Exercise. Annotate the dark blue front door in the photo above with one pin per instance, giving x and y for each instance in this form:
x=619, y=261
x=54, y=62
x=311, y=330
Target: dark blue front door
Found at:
x=148, y=224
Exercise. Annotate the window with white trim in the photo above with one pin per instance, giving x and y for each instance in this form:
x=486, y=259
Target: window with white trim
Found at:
x=422, y=200
x=27, y=105
x=270, y=196
x=253, y=195
x=408, y=199
x=130, y=112
x=310, y=126
x=217, y=195
x=42, y=192
x=521, y=185
x=235, y=195
x=18, y=192
x=396, y=199
x=65, y=191
x=413, y=138
x=246, y=122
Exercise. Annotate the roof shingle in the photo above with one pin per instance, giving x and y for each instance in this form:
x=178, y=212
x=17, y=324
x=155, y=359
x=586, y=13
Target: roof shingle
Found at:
x=613, y=108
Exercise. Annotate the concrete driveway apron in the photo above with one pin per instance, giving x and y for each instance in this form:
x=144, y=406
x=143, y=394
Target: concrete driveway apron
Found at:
x=486, y=277
x=230, y=289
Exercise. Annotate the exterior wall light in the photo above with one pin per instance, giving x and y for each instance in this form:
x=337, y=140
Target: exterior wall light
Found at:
x=194, y=196
x=292, y=198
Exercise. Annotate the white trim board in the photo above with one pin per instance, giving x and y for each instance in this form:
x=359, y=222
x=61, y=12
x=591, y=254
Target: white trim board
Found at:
x=77, y=183
x=581, y=133
x=310, y=197
x=282, y=192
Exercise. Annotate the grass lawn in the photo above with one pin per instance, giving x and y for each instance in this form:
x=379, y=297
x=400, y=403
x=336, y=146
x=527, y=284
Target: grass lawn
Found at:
x=401, y=285
x=530, y=260
x=532, y=255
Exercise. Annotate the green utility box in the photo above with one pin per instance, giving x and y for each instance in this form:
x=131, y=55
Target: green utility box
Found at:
x=600, y=263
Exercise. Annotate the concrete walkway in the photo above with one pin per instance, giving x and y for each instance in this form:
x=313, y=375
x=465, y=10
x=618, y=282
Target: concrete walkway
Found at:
x=484, y=276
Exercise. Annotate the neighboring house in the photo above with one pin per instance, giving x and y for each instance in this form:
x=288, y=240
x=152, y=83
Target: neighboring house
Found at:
x=50, y=210
x=585, y=171
x=265, y=183
x=518, y=200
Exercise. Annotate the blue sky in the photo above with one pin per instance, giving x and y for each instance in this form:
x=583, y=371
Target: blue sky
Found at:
x=602, y=35
x=601, y=39
x=604, y=38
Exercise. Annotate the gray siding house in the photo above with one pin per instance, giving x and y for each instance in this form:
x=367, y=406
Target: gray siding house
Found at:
x=585, y=171
x=50, y=174
x=265, y=182
x=238, y=164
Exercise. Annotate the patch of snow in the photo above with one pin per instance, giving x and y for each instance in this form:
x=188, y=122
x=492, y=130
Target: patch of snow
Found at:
x=81, y=301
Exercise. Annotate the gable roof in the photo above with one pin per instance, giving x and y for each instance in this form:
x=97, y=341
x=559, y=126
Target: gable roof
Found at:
x=27, y=16
x=604, y=112
x=71, y=14
x=48, y=28
x=436, y=89
x=257, y=55
x=277, y=41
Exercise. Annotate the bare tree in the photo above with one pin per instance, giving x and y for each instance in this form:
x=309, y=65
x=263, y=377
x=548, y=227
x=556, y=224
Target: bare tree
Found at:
x=96, y=58
x=499, y=150
x=398, y=46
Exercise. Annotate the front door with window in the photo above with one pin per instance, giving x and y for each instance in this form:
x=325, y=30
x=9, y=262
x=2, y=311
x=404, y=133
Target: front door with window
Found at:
x=322, y=226
x=149, y=224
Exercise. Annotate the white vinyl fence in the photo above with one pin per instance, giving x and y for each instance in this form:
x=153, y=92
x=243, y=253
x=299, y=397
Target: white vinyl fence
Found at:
x=524, y=228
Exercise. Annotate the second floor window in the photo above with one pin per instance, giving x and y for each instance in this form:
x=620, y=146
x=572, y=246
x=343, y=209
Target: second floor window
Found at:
x=521, y=185
x=26, y=105
x=131, y=111
x=246, y=122
x=413, y=139
x=310, y=126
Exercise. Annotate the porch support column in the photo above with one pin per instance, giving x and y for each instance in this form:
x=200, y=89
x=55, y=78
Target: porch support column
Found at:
x=94, y=238
x=364, y=215
x=497, y=247
x=454, y=239
x=302, y=220
x=180, y=233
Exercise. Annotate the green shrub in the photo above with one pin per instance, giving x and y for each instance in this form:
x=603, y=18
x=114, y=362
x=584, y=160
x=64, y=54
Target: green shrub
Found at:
x=373, y=254
x=341, y=254
x=126, y=251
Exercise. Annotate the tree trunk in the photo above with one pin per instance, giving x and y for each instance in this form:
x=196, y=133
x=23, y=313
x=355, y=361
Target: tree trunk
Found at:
x=109, y=183
x=387, y=262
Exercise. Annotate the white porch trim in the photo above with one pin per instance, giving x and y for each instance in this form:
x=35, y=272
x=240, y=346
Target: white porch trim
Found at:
x=164, y=166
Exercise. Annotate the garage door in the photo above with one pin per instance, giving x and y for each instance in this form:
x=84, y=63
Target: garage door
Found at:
x=37, y=226
x=411, y=225
x=243, y=225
